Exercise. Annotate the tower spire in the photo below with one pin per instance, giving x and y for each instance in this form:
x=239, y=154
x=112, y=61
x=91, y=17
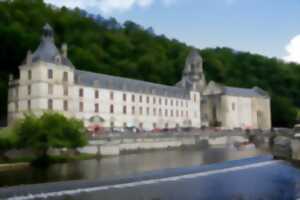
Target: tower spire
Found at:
x=48, y=32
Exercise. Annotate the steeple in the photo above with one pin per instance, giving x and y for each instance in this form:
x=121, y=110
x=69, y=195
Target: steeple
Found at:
x=47, y=50
x=193, y=75
x=48, y=33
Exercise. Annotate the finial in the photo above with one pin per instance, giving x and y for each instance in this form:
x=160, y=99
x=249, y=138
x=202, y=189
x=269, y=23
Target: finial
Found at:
x=29, y=57
x=64, y=50
x=48, y=31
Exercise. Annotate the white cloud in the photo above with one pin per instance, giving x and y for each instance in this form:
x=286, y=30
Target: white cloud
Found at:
x=293, y=50
x=107, y=6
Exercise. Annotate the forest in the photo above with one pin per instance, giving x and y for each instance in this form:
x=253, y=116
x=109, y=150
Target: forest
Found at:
x=130, y=50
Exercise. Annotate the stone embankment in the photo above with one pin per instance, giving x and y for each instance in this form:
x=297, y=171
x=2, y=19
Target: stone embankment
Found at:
x=115, y=144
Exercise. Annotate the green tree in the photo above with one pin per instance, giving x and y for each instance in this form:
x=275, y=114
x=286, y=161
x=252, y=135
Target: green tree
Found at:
x=51, y=130
x=7, y=141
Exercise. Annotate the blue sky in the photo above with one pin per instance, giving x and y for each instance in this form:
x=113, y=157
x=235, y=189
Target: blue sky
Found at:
x=268, y=27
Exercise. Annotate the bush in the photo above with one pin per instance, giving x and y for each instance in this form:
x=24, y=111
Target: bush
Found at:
x=51, y=130
x=7, y=141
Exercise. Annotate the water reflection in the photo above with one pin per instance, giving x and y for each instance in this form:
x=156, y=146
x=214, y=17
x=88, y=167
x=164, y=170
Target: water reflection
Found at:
x=125, y=165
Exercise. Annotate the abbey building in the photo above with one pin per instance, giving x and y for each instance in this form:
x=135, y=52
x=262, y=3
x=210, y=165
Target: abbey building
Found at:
x=48, y=81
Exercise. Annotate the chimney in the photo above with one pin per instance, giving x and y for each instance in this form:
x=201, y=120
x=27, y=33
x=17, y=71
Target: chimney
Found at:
x=64, y=49
x=29, y=58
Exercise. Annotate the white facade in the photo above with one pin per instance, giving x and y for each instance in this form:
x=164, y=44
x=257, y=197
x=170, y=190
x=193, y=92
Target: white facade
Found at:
x=46, y=83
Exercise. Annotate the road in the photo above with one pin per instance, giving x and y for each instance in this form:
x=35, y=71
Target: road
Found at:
x=254, y=178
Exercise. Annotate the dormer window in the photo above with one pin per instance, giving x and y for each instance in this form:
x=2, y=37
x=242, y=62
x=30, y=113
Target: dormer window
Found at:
x=57, y=59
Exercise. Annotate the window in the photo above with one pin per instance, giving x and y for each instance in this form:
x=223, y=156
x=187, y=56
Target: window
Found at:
x=124, y=110
x=182, y=113
x=50, y=74
x=177, y=113
x=125, y=125
x=29, y=105
x=154, y=111
x=96, y=108
x=154, y=125
x=66, y=106
x=65, y=77
x=172, y=102
x=96, y=94
x=141, y=99
x=159, y=101
x=50, y=89
x=160, y=112
x=124, y=97
x=17, y=107
x=81, y=92
x=172, y=113
x=50, y=104
x=112, y=124
x=154, y=100
x=141, y=125
x=195, y=98
x=133, y=98
x=148, y=111
x=66, y=91
x=29, y=75
x=111, y=108
x=81, y=107
x=233, y=106
x=187, y=113
x=166, y=101
x=141, y=110
x=181, y=103
x=29, y=89
x=166, y=125
x=166, y=113
x=176, y=102
x=133, y=110
x=148, y=100
x=111, y=96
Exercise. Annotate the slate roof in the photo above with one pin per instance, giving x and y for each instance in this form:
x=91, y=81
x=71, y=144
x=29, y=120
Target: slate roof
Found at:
x=124, y=84
x=245, y=92
x=47, y=51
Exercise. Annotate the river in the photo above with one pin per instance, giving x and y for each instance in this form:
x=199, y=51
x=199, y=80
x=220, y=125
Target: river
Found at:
x=122, y=166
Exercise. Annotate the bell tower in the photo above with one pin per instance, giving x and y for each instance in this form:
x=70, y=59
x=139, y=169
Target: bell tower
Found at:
x=193, y=74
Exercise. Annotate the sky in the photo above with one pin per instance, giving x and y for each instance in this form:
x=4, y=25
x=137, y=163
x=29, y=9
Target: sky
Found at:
x=267, y=27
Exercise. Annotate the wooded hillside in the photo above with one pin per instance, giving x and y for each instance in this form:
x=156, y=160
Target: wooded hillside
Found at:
x=129, y=50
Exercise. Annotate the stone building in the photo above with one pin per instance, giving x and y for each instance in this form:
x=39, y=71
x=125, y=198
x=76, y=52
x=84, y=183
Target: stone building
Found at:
x=49, y=81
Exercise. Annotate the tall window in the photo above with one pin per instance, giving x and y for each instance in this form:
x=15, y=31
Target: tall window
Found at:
x=96, y=108
x=159, y=101
x=29, y=89
x=195, y=98
x=154, y=100
x=160, y=112
x=66, y=91
x=133, y=98
x=111, y=108
x=124, y=97
x=154, y=125
x=96, y=94
x=166, y=101
x=124, y=110
x=50, y=89
x=187, y=113
x=141, y=99
x=148, y=99
x=171, y=102
x=233, y=106
x=66, y=105
x=81, y=92
x=28, y=105
x=166, y=113
x=50, y=74
x=141, y=110
x=111, y=95
x=17, y=107
x=154, y=111
x=172, y=113
x=148, y=111
x=50, y=104
x=65, y=77
x=29, y=75
x=133, y=110
x=81, y=107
